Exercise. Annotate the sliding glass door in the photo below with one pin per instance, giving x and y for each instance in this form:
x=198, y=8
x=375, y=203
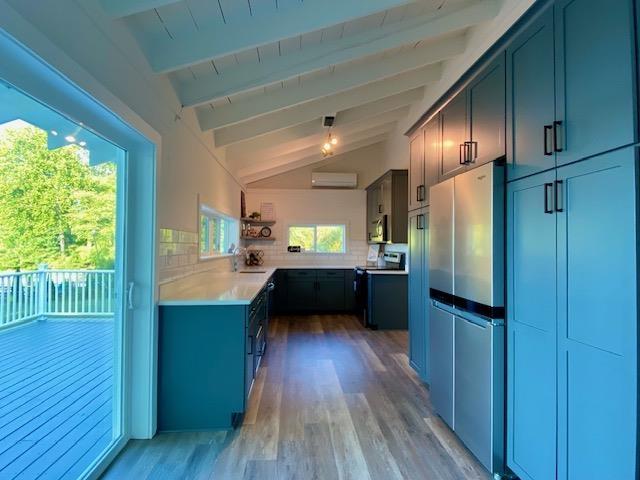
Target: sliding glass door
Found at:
x=64, y=295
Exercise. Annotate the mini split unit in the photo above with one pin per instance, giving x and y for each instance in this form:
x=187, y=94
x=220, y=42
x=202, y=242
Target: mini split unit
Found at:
x=334, y=180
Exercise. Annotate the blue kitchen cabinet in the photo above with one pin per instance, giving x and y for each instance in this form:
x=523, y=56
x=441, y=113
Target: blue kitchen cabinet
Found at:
x=530, y=99
x=417, y=186
x=571, y=85
x=330, y=294
x=202, y=366
x=531, y=327
x=418, y=293
x=208, y=358
x=455, y=135
x=595, y=93
x=316, y=290
x=486, y=96
x=301, y=290
x=597, y=317
x=572, y=320
x=387, y=301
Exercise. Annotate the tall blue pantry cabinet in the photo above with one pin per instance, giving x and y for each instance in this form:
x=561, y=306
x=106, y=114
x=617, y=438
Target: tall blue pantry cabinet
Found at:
x=571, y=243
x=418, y=280
x=425, y=157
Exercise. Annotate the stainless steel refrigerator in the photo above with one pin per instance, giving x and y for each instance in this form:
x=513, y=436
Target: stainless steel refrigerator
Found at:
x=466, y=255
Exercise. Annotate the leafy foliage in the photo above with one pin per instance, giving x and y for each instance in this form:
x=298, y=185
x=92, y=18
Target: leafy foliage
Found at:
x=54, y=207
x=303, y=237
x=319, y=238
x=330, y=239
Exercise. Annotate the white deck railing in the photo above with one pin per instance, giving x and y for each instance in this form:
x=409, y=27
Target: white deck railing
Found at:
x=43, y=293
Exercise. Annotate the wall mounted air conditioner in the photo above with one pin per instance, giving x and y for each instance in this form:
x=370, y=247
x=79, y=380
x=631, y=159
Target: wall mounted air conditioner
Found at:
x=334, y=180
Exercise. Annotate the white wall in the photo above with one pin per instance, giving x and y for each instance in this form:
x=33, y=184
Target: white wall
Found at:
x=101, y=56
x=313, y=206
x=367, y=162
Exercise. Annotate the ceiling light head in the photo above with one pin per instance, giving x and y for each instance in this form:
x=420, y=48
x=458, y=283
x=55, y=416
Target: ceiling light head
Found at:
x=54, y=133
x=70, y=138
x=334, y=141
x=83, y=144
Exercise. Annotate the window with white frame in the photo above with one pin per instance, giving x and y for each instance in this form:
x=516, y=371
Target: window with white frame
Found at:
x=218, y=233
x=319, y=238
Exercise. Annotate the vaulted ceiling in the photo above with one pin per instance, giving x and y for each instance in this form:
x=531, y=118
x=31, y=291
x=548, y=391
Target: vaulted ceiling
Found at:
x=261, y=74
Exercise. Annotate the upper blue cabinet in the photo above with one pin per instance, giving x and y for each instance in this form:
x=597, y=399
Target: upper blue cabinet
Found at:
x=570, y=85
x=594, y=77
x=530, y=99
x=486, y=97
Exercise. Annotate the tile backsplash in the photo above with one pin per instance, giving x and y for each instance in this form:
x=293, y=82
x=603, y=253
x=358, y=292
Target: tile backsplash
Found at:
x=275, y=253
x=178, y=255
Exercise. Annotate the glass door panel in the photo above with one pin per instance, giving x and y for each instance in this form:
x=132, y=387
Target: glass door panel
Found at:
x=61, y=291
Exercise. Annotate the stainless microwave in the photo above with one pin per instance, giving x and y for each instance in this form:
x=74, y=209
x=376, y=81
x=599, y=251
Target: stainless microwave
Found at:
x=379, y=231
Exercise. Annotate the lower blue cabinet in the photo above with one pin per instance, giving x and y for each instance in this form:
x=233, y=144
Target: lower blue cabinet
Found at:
x=531, y=328
x=597, y=318
x=572, y=321
x=208, y=358
x=419, y=292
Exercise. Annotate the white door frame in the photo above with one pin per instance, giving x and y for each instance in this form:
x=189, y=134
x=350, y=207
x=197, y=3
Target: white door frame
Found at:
x=22, y=67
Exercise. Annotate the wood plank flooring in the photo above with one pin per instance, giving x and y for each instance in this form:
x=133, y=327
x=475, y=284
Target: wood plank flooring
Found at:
x=332, y=401
x=55, y=397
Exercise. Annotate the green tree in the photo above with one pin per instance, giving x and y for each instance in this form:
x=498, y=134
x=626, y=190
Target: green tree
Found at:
x=54, y=207
x=330, y=239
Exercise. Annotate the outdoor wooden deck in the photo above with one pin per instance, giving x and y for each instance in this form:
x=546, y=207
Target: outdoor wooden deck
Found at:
x=56, y=394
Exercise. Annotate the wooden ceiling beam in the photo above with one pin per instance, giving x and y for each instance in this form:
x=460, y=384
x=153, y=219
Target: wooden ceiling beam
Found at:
x=205, y=44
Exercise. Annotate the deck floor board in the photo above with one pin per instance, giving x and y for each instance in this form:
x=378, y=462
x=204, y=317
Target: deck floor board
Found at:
x=56, y=391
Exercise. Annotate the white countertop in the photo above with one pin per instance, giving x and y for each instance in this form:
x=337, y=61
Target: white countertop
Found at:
x=215, y=288
x=309, y=267
x=225, y=288
x=387, y=272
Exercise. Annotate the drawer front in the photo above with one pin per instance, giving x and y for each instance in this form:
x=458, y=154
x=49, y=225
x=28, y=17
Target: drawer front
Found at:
x=301, y=274
x=330, y=274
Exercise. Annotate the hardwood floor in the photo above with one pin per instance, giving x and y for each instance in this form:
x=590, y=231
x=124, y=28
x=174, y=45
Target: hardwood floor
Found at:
x=332, y=401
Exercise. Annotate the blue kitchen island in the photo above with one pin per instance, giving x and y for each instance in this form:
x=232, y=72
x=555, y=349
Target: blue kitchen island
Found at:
x=212, y=336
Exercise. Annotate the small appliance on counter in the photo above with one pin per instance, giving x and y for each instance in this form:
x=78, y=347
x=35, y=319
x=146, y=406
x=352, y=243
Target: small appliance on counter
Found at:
x=376, y=294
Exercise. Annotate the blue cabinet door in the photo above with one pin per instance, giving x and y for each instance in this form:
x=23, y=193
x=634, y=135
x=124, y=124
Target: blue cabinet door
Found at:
x=425, y=297
x=419, y=293
x=454, y=128
x=487, y=113
x=416, y=292
x=530, y=99
x=594, y=77
x=597, y=318
x=531, y=327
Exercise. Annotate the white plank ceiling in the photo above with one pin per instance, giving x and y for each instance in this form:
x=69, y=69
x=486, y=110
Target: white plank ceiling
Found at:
x=262, y=73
